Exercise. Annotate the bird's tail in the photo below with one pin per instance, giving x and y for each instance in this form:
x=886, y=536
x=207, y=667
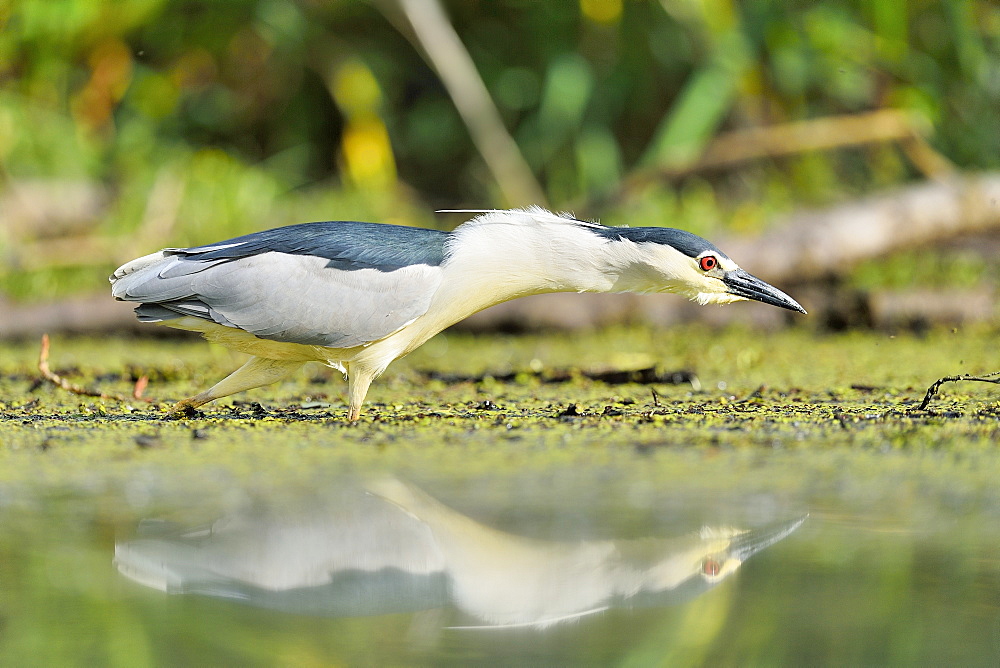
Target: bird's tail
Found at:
x=135, y=265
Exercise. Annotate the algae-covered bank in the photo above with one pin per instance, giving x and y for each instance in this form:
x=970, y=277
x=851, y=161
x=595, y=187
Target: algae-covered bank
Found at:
x=615, y=391
x=632, y=495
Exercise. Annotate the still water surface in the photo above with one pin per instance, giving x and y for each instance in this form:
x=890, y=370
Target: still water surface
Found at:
x=679, y=559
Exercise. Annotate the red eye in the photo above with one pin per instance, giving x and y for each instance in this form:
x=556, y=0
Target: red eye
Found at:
x=708, y=263
x=710, y=567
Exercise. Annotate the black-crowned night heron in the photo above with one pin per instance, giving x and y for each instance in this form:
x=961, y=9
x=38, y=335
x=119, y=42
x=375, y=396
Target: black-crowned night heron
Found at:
x=357, y=296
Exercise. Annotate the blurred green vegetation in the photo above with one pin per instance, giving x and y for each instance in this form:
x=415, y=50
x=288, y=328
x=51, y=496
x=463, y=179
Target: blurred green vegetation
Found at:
x=255, y=113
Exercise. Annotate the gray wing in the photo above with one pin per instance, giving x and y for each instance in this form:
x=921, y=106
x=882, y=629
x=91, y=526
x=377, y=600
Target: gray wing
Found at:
x=295, y=297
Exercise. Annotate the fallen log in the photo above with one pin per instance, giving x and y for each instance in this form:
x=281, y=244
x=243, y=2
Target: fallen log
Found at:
x=812, y=245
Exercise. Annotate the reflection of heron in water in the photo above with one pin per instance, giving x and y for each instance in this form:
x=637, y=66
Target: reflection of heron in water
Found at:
x=396, y=549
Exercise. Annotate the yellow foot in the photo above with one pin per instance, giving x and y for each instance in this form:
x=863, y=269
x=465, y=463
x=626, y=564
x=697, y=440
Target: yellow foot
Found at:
x=185, y=408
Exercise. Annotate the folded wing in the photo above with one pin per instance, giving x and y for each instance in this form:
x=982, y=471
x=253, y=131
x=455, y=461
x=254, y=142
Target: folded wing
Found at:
x=330, y=284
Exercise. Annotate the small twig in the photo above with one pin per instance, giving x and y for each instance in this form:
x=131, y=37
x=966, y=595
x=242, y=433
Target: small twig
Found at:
x=656, y=397
x=140, y=386
x=933, y=389
x=59, y=381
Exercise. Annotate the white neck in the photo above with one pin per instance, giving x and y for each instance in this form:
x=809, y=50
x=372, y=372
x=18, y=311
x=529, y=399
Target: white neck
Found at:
x=507, y=254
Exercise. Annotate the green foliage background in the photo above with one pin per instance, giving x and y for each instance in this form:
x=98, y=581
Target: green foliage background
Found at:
x=265, y=112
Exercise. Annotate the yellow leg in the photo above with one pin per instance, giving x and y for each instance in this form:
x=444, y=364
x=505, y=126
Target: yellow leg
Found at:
x=257, y=372
x=359, y=380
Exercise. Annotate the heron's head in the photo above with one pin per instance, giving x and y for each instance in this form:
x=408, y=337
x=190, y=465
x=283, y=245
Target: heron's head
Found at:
x=696, y=562
x=684, y=263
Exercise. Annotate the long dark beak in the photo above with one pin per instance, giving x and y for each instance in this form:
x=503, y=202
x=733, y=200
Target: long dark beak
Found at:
x=744, y=285
x=750, y=543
